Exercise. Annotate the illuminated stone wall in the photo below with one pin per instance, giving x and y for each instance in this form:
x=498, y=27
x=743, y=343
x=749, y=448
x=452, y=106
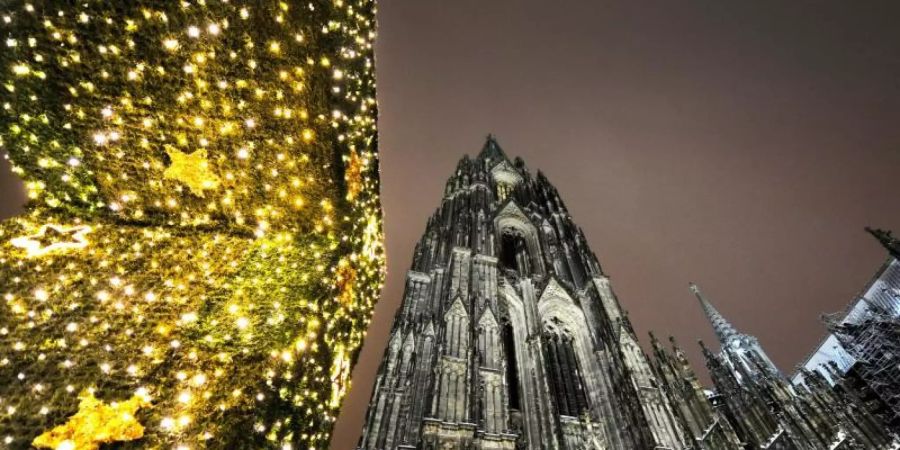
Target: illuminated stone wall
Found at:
x=203, y=244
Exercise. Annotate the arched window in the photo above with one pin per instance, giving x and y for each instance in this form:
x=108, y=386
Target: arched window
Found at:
x=514, y=253
x=518, y=241
x=506, y=177
x=512, y=368
x=503, y=190
x=564, y=372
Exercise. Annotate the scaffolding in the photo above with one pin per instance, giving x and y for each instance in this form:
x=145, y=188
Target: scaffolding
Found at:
x=874, y=342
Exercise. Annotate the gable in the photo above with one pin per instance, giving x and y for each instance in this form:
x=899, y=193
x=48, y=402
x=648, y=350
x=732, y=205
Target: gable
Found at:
x=505, y=173
x=512, y=211
x=554, y=290
x=555, y=302
x=488, y=320
x=457, y=308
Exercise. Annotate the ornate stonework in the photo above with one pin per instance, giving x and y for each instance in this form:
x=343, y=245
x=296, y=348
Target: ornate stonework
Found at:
x=513, y=337
x=509, y=336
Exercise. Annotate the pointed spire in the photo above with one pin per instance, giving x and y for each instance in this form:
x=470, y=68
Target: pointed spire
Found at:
x=887, y=239
x=707, y=353
x=491, y=152
x=724, y=330
x=657, y=347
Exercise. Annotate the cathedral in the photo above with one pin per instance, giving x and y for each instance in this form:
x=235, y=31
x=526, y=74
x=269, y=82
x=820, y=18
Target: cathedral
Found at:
x=510, y=336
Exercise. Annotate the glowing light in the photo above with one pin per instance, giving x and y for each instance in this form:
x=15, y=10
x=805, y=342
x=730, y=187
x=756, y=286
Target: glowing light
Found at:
x=193, y=170
x=95, y=423
x=53, y=238
x=188, y=209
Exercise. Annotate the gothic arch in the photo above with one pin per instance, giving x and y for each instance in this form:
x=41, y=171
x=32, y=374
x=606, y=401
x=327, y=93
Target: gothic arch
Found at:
x=456, y=339
x=557, y=307
x=488, y=340
x=533, y=409
x=511, y=219
x=407, y=361
x=506, y=177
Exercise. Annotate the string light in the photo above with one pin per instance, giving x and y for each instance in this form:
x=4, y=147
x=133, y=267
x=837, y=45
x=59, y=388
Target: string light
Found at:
x=203, y=247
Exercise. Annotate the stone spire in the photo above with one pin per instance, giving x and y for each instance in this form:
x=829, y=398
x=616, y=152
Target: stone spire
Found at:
x=724, y=330
x=491, y=152
x=887, y=239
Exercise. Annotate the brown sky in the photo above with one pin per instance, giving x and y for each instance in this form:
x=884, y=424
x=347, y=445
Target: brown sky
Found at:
x=740, y=145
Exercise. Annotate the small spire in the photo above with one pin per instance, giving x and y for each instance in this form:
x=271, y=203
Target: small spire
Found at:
x=706, y=351
x=654, y=341
x=674, y=343
x=724, y=330
x=888, y=240
x=491, y=152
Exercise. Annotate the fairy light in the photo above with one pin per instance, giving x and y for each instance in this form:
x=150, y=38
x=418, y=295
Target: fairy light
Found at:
x=205, y=232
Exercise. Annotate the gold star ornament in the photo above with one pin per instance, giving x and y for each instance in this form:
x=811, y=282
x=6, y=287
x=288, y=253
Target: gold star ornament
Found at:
x=95, y=423
x=192, y=170
x=52, y=238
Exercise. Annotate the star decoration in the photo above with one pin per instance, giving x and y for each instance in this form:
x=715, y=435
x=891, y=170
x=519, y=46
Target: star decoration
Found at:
x=192, y=170
x=95, y=423
x=218, y=151
x=53, y=238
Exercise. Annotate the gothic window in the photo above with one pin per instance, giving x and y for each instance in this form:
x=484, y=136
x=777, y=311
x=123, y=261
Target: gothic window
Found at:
x=518, y=242
x=503, y=190
x=514, y=253
x=564, y=373
x=508, y=251
x=506, y=178
x=512, y=368
x=456, y=337
x=407, y=360
x=488, y=346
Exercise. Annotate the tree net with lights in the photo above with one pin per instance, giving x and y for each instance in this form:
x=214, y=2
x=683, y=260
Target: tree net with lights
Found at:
x=203, y=245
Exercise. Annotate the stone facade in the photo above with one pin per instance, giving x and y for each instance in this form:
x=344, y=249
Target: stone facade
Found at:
x=509, y=334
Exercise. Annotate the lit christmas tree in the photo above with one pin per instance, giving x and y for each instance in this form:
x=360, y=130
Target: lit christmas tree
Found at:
x=202, y=249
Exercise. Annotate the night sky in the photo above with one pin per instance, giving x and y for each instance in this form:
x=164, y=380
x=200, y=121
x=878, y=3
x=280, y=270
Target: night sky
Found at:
x=739, y=145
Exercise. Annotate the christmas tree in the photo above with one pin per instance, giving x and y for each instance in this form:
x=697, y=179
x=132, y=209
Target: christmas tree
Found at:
x=202, y=247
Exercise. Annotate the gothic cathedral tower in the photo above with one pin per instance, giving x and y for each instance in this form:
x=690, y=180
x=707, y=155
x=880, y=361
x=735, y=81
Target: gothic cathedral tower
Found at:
x=509, y=335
